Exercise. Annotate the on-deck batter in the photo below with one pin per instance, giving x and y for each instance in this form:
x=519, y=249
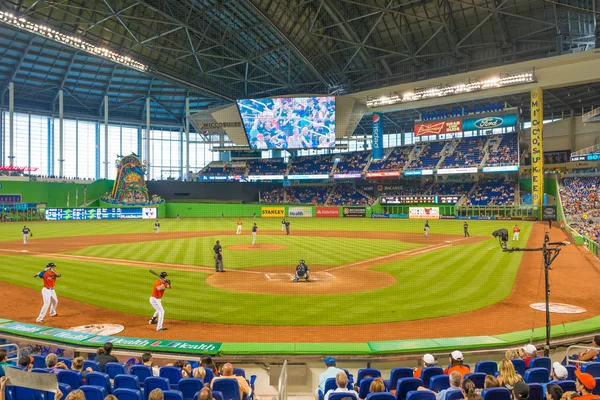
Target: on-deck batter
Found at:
x=49, y=276
x=158, y=290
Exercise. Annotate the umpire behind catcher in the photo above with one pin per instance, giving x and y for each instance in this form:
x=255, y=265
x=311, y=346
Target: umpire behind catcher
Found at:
x=302, y=272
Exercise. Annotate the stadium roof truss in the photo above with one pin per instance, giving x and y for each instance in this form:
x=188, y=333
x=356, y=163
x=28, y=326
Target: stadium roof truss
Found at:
x=217, y=50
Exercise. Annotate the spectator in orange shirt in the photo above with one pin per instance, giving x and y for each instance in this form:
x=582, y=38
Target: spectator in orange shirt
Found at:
x=585, y=383
x=528, y=352
x=428, y=361
x=456, y=364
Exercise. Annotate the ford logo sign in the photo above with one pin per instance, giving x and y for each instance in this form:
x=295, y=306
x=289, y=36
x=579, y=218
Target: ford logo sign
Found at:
x=490, y=122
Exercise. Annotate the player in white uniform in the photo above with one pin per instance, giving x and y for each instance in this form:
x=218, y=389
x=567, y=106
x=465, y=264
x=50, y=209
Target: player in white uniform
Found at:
x=49, y=276
x=156, y=227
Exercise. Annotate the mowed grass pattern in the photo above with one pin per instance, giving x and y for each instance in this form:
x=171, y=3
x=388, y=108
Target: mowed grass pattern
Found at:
x=441, y=282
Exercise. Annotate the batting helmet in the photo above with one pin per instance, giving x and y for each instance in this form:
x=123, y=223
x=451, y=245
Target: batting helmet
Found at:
x=163, y=274
x=50, y=265
x=301, y=261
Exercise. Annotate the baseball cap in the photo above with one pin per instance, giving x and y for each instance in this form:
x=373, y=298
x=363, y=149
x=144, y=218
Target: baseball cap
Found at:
x=429, y=359
x=560, y=371
x=529, y=348
x=457, y=355
x=330, y=361
x=586, y=380
x=521, y=390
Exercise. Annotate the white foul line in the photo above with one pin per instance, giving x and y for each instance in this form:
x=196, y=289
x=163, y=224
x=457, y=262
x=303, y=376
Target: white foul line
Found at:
x=268, y=277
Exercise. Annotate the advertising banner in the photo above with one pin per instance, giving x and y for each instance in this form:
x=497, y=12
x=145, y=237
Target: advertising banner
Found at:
x=355, y=212
x=316, y=176
x=396, y=216
x=419, y=172
x=537, y=149
x=549, y=213
x=438, y=128
x=265, y=177
x=501, y=168
x=272, y=212
x=157, y=344
x=383, y=174
x=327, y=212
x=62, y=214
x=500, y=121
x=300, y=212
x=377, y=136
x=149, y=213
x=424, y=212
x=346, y=176
x=449, y=171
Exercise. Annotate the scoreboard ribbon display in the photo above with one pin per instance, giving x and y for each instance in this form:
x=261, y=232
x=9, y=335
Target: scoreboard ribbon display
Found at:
x=393, y=200
x=65, y=214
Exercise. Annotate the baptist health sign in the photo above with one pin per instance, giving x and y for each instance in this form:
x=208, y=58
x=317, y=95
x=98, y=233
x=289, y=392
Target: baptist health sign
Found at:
x=377, y=137
x=537, y=150
x=300, y=212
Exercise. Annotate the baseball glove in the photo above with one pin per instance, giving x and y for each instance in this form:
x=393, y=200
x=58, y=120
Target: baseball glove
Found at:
x=31, y=235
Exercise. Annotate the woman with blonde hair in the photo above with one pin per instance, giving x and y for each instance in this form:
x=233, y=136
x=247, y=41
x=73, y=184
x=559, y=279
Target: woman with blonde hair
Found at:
x=508, y=375
x=377, y=386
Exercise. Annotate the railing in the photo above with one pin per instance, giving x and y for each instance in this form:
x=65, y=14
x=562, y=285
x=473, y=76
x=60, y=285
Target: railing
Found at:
x=516, y=212
x=282, y=384
x=12, y=346
x=568, y=351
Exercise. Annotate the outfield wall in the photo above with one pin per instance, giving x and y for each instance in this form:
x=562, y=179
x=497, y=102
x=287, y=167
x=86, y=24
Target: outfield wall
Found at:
x=201, y=210
x=55, y=194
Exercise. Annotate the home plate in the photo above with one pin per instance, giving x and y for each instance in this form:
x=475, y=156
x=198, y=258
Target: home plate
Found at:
x=24, y=251
x=558, y=308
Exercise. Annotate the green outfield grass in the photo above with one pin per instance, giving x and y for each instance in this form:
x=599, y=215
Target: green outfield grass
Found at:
x=442, y=282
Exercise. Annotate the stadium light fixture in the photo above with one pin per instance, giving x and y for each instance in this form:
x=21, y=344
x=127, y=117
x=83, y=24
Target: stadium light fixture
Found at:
x=501, y=80
x=73, y=41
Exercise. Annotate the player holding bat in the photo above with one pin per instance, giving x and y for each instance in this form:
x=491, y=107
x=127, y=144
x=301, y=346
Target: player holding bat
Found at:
x=158, y=290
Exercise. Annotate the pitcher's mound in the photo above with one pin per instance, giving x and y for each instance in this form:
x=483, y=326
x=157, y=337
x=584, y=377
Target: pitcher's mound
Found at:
x=258, y=246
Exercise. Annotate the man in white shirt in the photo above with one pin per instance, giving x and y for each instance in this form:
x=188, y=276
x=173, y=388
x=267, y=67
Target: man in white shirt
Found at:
x=341, y=380
x=330, y=372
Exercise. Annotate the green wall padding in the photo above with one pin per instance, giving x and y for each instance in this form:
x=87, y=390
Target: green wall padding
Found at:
x=55, y=194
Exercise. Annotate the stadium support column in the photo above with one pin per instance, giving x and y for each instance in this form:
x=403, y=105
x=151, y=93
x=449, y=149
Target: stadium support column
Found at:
x=537, y=150
x=106, y=137
x=61, y=133
x=572, y=142
x=11, y=122
x=148, y=136
x=377, y=136
x=187, y=140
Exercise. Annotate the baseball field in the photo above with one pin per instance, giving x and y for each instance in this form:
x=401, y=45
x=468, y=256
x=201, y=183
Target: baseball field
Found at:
x=369, y=277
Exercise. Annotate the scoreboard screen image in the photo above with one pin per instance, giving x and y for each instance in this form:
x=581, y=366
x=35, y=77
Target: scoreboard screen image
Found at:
x=429, y=199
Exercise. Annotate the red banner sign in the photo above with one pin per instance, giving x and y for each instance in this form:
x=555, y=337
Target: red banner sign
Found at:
x=327, y=212
x=15, y=168
x=438, y=128
x=382, y=174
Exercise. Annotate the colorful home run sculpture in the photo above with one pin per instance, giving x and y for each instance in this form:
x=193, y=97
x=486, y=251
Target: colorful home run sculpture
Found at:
x=130, y=184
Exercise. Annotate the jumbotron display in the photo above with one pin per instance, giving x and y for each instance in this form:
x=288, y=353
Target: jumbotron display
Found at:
x=289, y=123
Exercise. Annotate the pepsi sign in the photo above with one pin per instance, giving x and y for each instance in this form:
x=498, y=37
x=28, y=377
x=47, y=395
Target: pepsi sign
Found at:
x=377, y=136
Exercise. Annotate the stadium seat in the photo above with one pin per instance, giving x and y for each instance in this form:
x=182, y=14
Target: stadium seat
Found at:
x=94, y=365
x=155, y=382
x=127, y=382
x=229, y=387
x=405, y=385
x=567, y=386
x=541, y=362
x=65, y=390
x=536, y=375
x=454, y=394
x=113, y=369
x=420, y=395
x=592, y=368
x=190, y=386
x=536, y=391
x=71, y=378
x=239, y=372
x=350, y=378
x=330, y=384
x=397, y=373
x=367, y=373
x=93, y=392
x=41, y=370
x=487, y=367
x=571, y=370
x=427, y=373
x=341, y=395
x=128, y=394
x=217, y=395
x=519, y=366
x=364, y=387
x=39, y=361
x=209, y=375
x=68, y=361
x=173, y=374
x=497, y=393
x=439, y=382
x=21, y=393
x=142, y=372
x=596, y=390
x=172, y=395
x=381, y=396
x=478, y=379
x=98, y=379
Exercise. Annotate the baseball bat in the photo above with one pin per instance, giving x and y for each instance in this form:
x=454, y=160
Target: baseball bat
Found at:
x=154, y=273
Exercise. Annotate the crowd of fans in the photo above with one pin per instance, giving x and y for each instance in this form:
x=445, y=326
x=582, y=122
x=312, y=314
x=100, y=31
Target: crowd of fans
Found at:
x=307, y=194
x=267, y=167
x=492, y=192
x=468, y=152
x=311, y=165
x=223, y=171
x=273, y=196
x=395, y=161
x=345, y=194
x=507, y=153
x=581, y=205
x=352, y=163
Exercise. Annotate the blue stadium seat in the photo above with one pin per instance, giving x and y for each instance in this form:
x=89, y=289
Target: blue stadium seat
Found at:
x=536, y=375
x=487, y=367
x=439, y=382
x=142, y=372
x=93, y=392
x=364, y=387
x=330, y=384
x=454, y=394
x=173, y=374
x=98, y=379
x=155, y=382
x=405, y=385
x=172, y=395
x=65, y=390
x=229, y=387
x=567, y=386
x=71, y=378
x=239, y=372
x=498, y=393
x=209, y=375
x=397, y=373
x=427, y=373
x=94, y=365
x=113, y=369
x=592, y=368
x=21, y=393
x=519, y=366
x=367, y=373
x=122, y=381
x=41, y=370
x=217, y=395
x=381, y=396
x=68, y=361
x=190, y=386
x=39, y=361
x=342, y=395
x=571, y=370
x=420, y=395
x=541, y=362
x=478, y=379
x=128, y=394
x=536, y=391
x=596, y=390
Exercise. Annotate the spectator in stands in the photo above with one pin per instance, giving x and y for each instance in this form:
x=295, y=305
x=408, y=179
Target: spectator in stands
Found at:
x=227, y=372
x=103, y=355
x=186, y=369
x=111, y=397
x=490, y=382
x=512, y=354
x=588, y=354
x=54, y=365
x=455, y=383
x=528, y=352
x=377, y=386
x=26, y=362
x=427, y=361
x=205, y=394
x=457, y=364
x=508, y=376
x=199, y=373
x=584, y=384
x=74, y=395
x=156, y=394
x=569, y=395
x=468, y=387
x=341, y=380
x=208, y=363
x=77, y=365
x=559, y=372
x=553, y=392
x=3, y=360
x=147, y=361
x=520, y=391
x=330, y=372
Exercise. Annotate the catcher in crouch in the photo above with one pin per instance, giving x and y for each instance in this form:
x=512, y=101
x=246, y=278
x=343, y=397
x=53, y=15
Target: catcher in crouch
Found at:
x=302, y=272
